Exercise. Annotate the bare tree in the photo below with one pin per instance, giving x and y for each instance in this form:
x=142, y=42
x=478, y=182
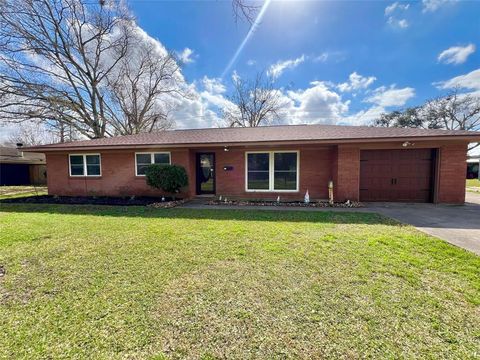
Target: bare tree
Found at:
x=455, y=111
x=30, y=134
x=55, y=56
x=146, y=78
x=245, y=10
x=257, y=102
x=61, y=131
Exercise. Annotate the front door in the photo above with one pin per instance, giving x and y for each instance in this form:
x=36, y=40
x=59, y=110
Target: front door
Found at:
x=205, y=173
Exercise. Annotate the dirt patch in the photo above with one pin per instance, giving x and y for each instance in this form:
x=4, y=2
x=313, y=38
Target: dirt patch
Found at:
x=166, y=204
x=14, y=190
x=96, y=200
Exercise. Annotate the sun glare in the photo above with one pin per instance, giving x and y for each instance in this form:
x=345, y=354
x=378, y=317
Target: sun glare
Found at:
x=252, y=30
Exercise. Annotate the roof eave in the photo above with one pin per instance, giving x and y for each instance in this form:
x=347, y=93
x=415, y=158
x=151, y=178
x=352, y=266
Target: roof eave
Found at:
x=47, y=148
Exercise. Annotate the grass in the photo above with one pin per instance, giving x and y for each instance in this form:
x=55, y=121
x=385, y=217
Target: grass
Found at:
x=473, y=185
x=10, y=192
x=118, y=282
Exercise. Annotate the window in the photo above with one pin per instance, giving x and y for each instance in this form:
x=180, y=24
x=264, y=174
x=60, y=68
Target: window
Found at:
x=258, y=171
x=285, y=171
x=142, y=160
x=85, y=165
x=272, y=171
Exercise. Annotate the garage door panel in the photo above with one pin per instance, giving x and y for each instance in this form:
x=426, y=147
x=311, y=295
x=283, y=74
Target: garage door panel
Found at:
x=378, y=156
x=396, y=175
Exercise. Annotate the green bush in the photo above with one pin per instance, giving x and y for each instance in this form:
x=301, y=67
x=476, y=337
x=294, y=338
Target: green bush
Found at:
x=169, y=178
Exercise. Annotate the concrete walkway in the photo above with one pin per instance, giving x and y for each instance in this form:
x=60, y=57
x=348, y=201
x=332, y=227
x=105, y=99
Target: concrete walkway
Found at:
x=457, y=224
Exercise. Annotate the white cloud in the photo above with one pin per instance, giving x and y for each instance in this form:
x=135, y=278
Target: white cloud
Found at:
x=467, y=81
x=382, y=98
x=235, y=76
x=391, y=96
x=320, y=104
x=364, y=117
x=214, y=86
x=195, y=113
x=251, y=62
x=403, y=23
x=202, y=109
x=205, y=98
x=186, y=56
x=393, y=13
x=356, y=82
x=456, y=54
x=277, y=69
x=316, y=104
x=434, y=5
x=330, y=56
x=390, y=9
x=398, y=23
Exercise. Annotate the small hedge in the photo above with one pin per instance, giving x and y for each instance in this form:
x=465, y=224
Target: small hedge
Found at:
x=169, y=178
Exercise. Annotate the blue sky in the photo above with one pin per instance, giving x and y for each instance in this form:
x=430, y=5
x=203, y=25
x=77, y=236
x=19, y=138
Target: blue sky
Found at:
x=335, y=61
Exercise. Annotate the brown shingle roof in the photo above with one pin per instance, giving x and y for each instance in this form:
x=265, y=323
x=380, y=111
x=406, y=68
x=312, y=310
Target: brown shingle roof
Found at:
x=14, y=156
x=283, y=133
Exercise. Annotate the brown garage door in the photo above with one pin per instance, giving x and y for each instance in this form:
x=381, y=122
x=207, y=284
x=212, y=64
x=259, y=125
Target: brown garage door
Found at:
x=397, y=175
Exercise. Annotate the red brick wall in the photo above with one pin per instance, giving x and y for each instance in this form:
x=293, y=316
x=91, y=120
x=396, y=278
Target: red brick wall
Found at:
x=118, y=175
x=347, y=173
x=452, y=172
x=315, y=173
x=318, y=165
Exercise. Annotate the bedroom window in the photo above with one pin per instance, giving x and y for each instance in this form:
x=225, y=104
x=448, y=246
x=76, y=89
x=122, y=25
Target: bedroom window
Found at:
x=272, y=171
x=85, y=165
x=143, y=160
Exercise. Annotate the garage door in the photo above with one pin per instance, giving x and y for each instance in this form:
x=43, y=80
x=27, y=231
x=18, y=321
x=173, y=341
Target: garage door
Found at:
x=397, y=175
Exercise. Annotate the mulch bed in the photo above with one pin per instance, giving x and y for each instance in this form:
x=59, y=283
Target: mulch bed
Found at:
x=317, y=204
x=97, y=200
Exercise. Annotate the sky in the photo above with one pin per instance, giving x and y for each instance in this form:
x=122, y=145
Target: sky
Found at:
x=336, y=62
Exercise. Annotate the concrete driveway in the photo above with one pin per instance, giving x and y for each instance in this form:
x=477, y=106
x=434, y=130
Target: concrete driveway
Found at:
x=457, y=224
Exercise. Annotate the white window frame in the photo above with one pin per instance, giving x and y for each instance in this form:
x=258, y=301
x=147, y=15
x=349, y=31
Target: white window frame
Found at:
x=271, y=171
x=152, y=158
x=84, y=164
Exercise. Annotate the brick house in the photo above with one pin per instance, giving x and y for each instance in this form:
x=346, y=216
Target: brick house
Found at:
x=364, y=163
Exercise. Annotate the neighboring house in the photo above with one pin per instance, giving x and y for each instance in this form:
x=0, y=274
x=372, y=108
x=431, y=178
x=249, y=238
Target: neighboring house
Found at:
x=364, y=163
x=19, y=167
x=473, y=164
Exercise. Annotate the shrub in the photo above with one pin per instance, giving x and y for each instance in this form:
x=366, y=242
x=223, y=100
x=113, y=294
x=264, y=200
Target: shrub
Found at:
x=169, y=178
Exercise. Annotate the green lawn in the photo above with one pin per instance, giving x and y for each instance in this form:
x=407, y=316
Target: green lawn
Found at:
x=473, y=182
x=473, y=185
x=118, y=282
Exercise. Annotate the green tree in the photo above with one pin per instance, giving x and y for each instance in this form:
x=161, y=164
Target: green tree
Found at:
x=455, y=111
